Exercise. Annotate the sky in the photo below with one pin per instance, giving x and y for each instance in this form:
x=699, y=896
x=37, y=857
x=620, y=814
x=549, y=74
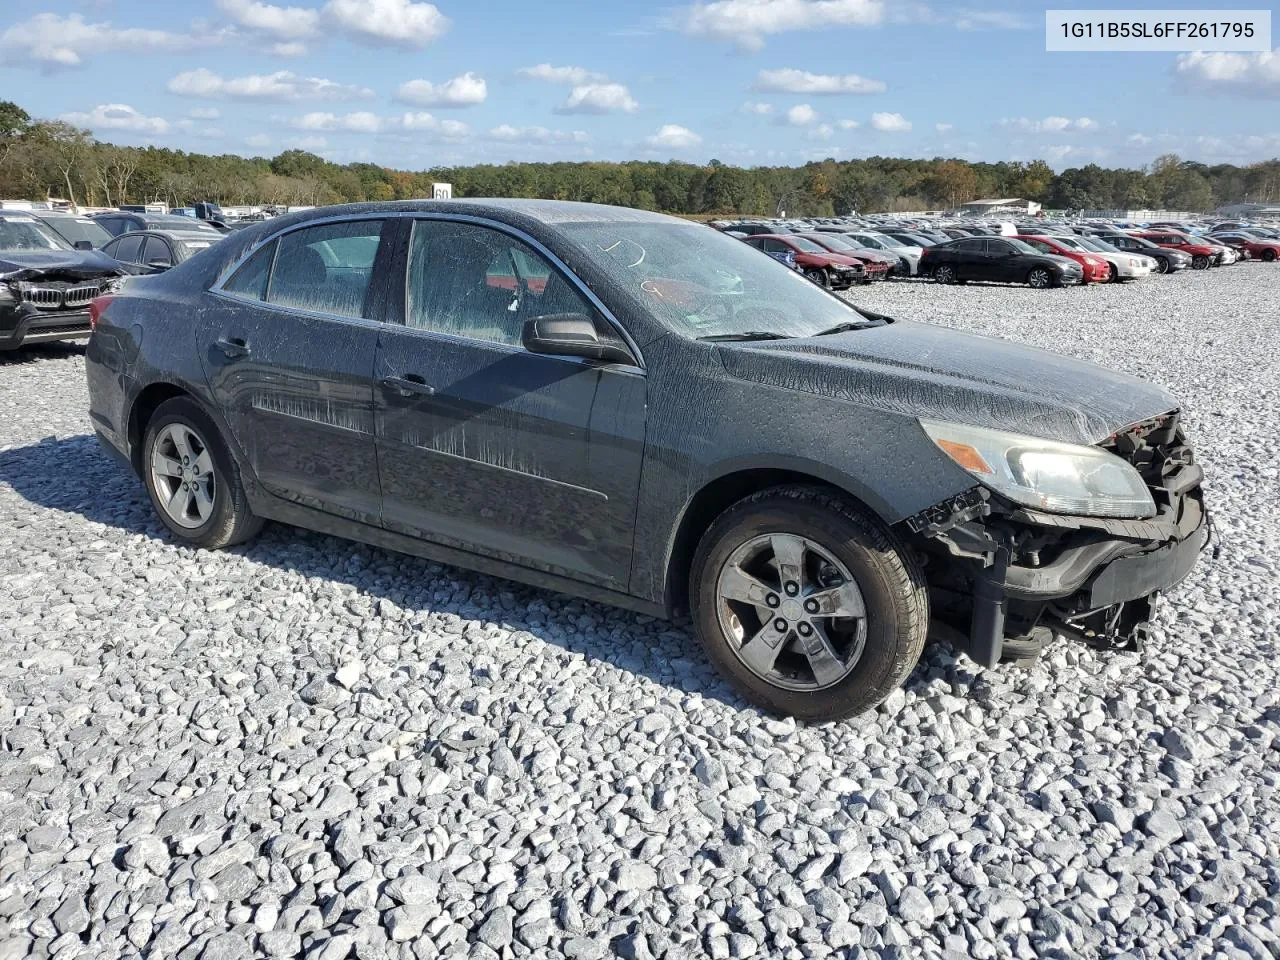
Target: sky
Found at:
x=414, y=84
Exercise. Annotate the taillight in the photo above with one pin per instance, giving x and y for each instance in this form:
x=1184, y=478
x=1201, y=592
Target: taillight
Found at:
x=97, y=306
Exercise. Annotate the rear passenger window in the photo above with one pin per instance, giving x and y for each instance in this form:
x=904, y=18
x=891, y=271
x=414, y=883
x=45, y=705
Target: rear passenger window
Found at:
x=127, y=249
x=251, y=279
x=157, y=251
x=326, y=269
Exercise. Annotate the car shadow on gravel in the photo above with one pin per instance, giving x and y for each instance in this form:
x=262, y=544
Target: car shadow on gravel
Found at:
x=74, y=475
x=40, y=352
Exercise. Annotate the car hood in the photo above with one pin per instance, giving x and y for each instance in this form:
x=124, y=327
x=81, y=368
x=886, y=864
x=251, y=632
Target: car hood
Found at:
x=61, y=264
x=921, y=370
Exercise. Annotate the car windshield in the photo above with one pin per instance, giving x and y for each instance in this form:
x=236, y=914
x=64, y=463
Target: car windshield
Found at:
x=191, y=247
x=833, y=241
x=701, y=283
x=75, y=229
x=869, y=241
x=1071, y=243
x=1020, y=245
x=1097, y=246
x=807, y=245
x=27, y=235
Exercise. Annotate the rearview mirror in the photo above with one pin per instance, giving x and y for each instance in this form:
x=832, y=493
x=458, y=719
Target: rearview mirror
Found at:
x=571, y=335
x=82, y=245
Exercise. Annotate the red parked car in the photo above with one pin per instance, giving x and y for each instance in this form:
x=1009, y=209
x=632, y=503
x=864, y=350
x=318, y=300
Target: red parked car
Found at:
x=1096, y=269
x=874, y=262
x=818, y=264
x=1203, y=254
x=1258, y=248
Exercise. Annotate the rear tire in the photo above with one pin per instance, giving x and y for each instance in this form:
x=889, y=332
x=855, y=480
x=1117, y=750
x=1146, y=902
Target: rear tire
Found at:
x=826, y=662
x=944, y=274
x=193, y=480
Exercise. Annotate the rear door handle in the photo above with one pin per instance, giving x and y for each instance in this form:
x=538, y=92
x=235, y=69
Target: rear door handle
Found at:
x=233, y=348
x=409, y=385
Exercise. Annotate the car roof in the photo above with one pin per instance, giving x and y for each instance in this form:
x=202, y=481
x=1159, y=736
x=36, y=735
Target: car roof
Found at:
x=200, y=236
x=550, y=212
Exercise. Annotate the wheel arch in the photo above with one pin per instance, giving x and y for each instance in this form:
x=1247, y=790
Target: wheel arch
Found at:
x=144, y=406
x=735, y=482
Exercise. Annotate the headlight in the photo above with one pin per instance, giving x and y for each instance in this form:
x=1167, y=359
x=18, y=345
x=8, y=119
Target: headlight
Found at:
x=1050, y=476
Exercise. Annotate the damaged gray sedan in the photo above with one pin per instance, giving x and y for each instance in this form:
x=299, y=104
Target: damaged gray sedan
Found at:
x=641, y=411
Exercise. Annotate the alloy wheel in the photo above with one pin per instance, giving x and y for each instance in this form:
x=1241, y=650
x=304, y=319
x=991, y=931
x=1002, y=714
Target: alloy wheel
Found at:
x=1039, y=277
x=182, y=475
x=944, y=275
x=792, y=612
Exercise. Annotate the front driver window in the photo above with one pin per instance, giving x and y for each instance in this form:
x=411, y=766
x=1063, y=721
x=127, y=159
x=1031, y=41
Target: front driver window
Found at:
x=327, y=268
x=472, y=281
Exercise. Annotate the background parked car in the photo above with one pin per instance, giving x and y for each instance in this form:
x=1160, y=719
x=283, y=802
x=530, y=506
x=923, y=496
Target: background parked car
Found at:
x=83, y=233
x=116, y=222
x=1168, y=259
x=1095, y=269
x=1257, y=247
x=1001, y=259
x=875, y=264
x=46, y=285
x=154, y=251
x=1203, y=254
x=1124, y=266
x=821, y=266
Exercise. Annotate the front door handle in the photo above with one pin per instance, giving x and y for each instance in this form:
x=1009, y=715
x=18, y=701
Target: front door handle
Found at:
x=409, y=385
x=233, y=347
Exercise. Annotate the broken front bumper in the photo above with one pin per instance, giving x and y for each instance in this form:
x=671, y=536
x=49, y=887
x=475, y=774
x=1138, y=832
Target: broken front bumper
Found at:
x=22, y=325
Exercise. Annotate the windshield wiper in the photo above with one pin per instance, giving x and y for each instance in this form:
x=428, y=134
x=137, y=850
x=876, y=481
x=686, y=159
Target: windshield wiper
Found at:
x=747, y=335
x=851, y=325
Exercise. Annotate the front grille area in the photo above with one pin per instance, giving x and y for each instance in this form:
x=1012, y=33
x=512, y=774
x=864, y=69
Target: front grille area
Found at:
x=59, y=295
x=1159, y=451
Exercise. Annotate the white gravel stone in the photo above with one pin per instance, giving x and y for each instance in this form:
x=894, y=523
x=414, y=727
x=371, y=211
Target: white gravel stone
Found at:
x=368, y=754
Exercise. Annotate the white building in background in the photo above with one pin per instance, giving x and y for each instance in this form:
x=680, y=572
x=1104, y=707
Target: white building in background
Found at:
x=1003, y=206
x=1266, y=211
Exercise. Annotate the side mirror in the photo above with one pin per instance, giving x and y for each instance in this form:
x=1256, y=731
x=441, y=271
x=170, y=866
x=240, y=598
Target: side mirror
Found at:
x=571, y=335
x=82, y=245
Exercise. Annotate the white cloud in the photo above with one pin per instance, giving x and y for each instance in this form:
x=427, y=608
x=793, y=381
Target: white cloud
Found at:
x=509, y=134
x=290, y=48
x=205, y=113
x=747, y=22
x=801, y=81
x=401, y=23
x=359, y=122
x=1051, y=125
x=971, y=19
x=890, y=122
x=801, y=115
x=117, y=116
x=286, y=23
x=943, y=127
x=279, y=86
x=464, y=91
x=849, y=124
x=1252, y=74
x=759, y=109
x=672, y=136
x=51, y=42
x=822, y=131
x=309, y=143
x=599, y=98
x=573, y=75
x=1138, y=139
x=425, y=122
x=258, y=140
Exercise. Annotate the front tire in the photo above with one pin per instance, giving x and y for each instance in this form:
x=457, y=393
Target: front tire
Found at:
x=1200, y=262
x=1162, y=264
x=1040, y=277
x=818, y=276
x=1268, y=256
x=1113, y=273
x=808, y=604
x=193, y=481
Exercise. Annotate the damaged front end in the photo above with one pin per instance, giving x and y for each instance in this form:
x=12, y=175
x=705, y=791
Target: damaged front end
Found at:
x=999, y=569
x=39, y=306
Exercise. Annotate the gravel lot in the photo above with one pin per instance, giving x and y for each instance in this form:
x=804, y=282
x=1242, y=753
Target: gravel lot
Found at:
x=306, y=747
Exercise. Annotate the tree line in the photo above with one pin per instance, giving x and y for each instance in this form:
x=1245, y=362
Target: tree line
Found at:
x=51, y=158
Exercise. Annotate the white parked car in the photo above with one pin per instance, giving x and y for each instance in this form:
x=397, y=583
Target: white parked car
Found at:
x=1125, y=265
x=878, y=241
